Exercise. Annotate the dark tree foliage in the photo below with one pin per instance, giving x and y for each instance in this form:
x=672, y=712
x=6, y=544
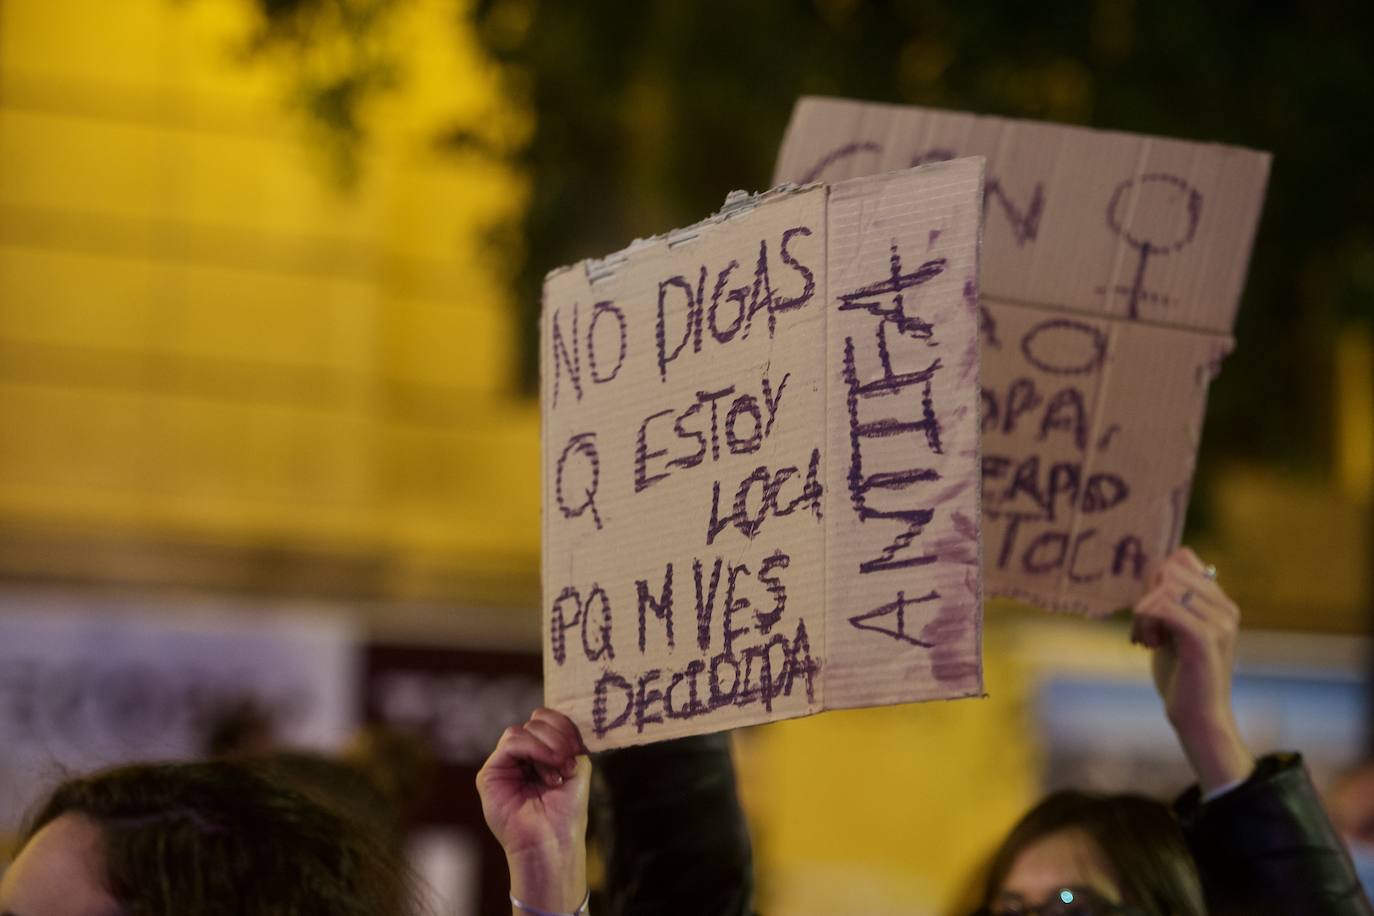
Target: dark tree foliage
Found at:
x=331, y=89
x=647, y=113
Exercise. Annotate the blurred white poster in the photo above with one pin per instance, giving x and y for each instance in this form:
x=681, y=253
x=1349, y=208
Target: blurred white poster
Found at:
x=1104, y=728
x=91, y=680
x=447, y=863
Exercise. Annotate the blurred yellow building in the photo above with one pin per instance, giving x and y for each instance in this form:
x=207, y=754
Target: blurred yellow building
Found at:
x=219, y=366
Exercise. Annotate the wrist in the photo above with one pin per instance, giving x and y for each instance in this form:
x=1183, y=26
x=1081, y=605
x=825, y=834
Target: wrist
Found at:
x=1216, y=751
x=550, y=878
x=526, y=909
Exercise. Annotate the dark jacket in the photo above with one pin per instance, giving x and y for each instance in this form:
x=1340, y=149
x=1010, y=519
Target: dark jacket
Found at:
x=668, y=822
x=1268, y=847
x=675, y=841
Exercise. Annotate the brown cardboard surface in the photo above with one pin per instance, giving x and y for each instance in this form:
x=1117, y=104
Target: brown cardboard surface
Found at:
x=1090, y=430
x=1112, y=270
x=761, y=462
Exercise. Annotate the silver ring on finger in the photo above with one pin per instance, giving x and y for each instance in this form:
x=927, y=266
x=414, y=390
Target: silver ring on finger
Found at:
x=1210, y=572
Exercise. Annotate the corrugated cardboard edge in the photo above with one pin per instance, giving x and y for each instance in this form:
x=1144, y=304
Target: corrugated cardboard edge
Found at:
x=979, y=594
x=820, y=702
x=736, y=203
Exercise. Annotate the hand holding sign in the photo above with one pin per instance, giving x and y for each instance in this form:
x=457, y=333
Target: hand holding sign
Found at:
x=534, y=790
x=1191, y=625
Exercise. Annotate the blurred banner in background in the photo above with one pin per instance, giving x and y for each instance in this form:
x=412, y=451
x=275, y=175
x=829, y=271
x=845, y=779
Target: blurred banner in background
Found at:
x=459, y=700
x=88, y=680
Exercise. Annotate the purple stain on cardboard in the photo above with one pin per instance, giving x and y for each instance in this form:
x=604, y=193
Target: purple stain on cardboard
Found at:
x=951, y=659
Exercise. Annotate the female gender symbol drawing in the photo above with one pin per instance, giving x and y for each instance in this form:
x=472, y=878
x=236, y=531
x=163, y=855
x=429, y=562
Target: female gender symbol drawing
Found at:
x=1155, y=207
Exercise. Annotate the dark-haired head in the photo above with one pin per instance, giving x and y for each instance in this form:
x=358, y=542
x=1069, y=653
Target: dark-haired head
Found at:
x=1125, y=851
x=209, y=838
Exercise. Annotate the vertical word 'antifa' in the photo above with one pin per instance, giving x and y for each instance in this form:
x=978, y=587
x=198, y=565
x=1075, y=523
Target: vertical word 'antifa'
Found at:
x=727, y=313
x=910, y=410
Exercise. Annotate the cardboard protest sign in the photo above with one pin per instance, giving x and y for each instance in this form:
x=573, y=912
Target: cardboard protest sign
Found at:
x=1112, y=271
x=761, y=462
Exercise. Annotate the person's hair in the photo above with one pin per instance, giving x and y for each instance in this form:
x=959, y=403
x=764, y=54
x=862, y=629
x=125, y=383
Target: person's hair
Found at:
x=227, y=838
x=1138, y=838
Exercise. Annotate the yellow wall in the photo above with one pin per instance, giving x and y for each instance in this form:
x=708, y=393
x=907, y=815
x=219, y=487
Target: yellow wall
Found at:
x=205, y=339
x=892, y=810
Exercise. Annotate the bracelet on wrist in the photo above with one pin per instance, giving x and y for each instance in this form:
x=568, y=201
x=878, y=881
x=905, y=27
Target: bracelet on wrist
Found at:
x=526, y=908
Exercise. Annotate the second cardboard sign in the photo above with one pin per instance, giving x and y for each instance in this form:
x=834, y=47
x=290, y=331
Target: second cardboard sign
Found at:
x=1113, y=266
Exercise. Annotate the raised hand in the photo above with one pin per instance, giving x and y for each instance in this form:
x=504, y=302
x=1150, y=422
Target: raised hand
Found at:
x=1191, y=625
x=534, y=797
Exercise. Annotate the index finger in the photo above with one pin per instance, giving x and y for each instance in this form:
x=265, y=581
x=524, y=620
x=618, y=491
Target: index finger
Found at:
x=1191, y=560
x=518, y=747
x=566, y=728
